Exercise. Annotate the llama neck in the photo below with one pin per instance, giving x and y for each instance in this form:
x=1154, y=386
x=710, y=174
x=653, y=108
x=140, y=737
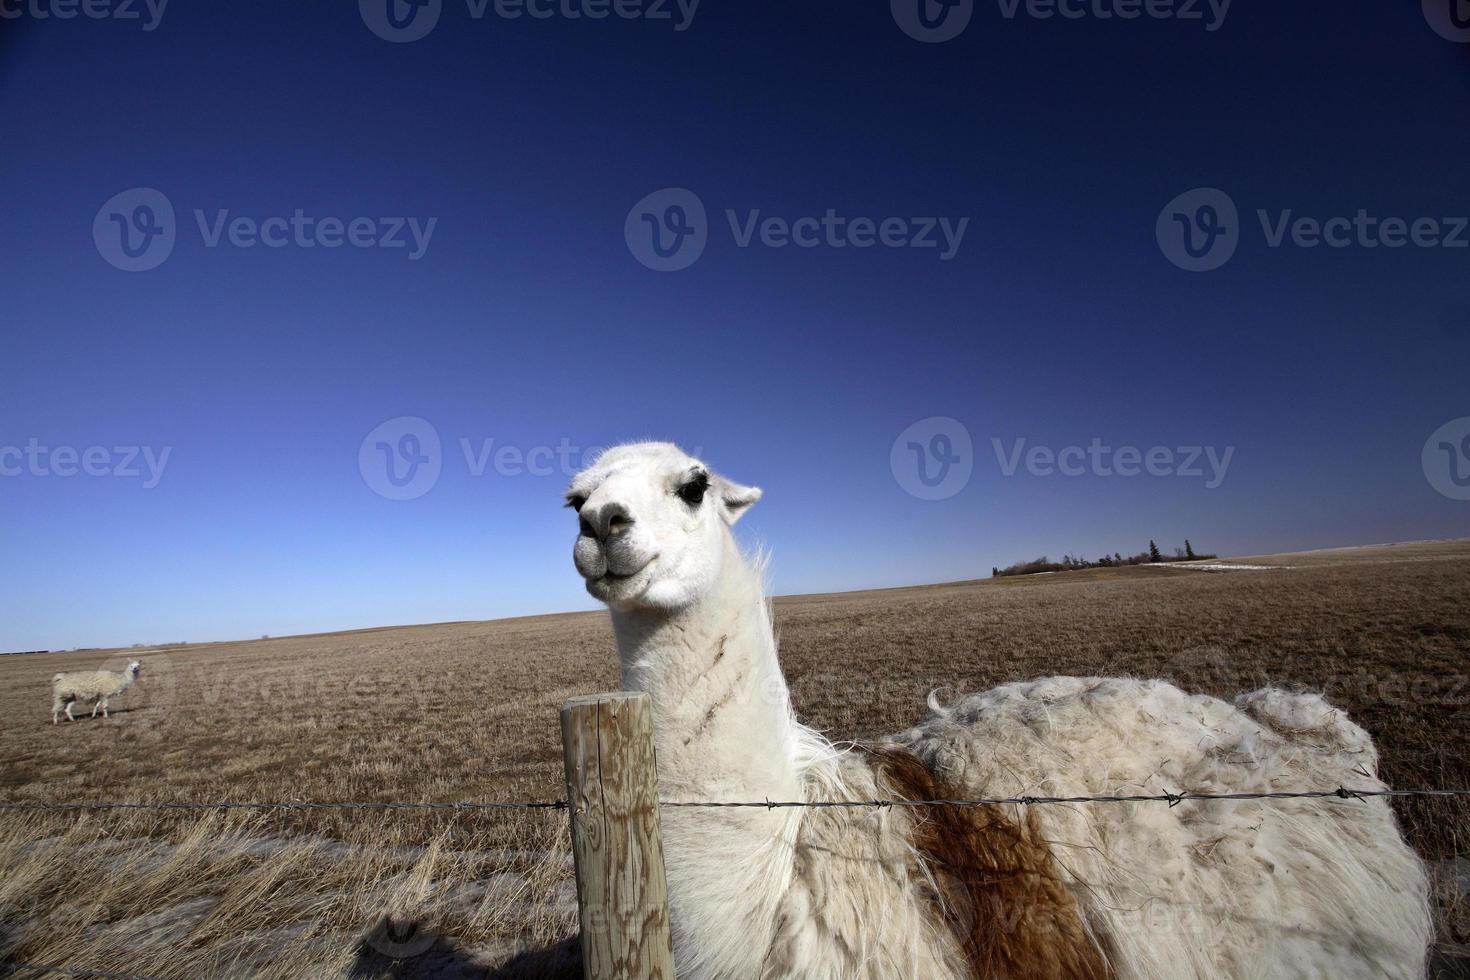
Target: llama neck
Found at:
x=723, y=722
x=723, y=731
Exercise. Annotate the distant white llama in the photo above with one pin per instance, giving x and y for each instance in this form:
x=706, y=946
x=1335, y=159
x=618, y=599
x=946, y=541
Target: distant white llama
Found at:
x=1274, y=889
x=94, y=686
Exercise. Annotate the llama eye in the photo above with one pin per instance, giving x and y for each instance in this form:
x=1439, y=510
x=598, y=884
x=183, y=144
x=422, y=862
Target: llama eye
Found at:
x=575, y=503
x=692, y=493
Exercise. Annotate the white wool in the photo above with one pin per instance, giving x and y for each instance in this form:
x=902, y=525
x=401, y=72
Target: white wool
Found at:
x=1204, y=889
x=95, y=687
x=1272, y=888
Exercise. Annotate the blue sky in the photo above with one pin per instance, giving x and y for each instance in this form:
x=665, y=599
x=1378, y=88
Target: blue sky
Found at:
x=529, y=320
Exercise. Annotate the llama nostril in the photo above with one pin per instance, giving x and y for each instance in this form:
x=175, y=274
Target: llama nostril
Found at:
x=602, y=522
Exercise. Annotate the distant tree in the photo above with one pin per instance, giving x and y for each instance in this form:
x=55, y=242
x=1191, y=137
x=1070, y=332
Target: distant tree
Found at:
x=1118, y=557
x=1153, y=552
x=994, y=571
x=1188, y=549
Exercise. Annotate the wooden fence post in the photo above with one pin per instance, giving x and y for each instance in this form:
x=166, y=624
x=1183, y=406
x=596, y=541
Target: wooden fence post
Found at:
x=612, y=789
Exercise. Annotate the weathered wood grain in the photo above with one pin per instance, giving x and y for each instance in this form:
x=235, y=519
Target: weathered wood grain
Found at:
x=612, y=787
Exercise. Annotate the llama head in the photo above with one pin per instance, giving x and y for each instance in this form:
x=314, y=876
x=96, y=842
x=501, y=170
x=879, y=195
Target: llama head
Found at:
x=135, y=668
x=653, y=524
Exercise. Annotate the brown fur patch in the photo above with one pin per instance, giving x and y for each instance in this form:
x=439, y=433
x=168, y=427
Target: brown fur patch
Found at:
x=994, y=881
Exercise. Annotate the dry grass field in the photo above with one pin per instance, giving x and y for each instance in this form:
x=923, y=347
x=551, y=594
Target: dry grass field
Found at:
x=468, y=711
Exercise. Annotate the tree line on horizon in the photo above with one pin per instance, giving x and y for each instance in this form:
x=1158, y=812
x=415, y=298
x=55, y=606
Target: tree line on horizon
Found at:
x=1070, y=563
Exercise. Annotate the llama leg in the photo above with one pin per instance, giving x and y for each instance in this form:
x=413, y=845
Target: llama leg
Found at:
x=55, y=711
x=104, y=707
x=68, y=711
x=95, y=706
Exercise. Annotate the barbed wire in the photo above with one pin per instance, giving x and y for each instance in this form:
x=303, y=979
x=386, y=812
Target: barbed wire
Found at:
x=69, y=971
x=1173, y=799
x=296, y=805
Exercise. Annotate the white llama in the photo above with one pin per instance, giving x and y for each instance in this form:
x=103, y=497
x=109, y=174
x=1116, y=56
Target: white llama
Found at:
x=1260, y=889
x=94, y=686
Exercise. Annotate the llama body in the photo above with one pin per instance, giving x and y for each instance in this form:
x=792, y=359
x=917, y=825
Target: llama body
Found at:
x=93, y=687
x=1296, y=888
x=1272, y=888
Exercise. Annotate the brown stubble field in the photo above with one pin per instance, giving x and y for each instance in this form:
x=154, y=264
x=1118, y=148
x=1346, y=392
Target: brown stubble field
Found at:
x=468, y=711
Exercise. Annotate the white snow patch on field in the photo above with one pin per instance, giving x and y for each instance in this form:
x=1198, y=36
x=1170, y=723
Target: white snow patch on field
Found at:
x=1219, y=566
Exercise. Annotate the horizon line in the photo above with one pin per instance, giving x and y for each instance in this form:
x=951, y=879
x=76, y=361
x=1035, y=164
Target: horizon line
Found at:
x=163, y=647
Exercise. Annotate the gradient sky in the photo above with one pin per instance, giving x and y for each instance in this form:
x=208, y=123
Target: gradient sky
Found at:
x=529, y=321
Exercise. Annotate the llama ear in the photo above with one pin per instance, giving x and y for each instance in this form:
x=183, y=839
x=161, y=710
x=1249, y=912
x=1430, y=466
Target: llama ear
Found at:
x=736, y=498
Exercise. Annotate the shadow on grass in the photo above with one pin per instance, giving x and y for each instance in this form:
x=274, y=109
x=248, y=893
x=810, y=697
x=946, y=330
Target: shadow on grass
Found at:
x=85, y=714
x=446, y=961
x=562, y=961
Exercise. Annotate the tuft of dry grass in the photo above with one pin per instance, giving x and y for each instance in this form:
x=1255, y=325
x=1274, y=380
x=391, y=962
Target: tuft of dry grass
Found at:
x=468, y=711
